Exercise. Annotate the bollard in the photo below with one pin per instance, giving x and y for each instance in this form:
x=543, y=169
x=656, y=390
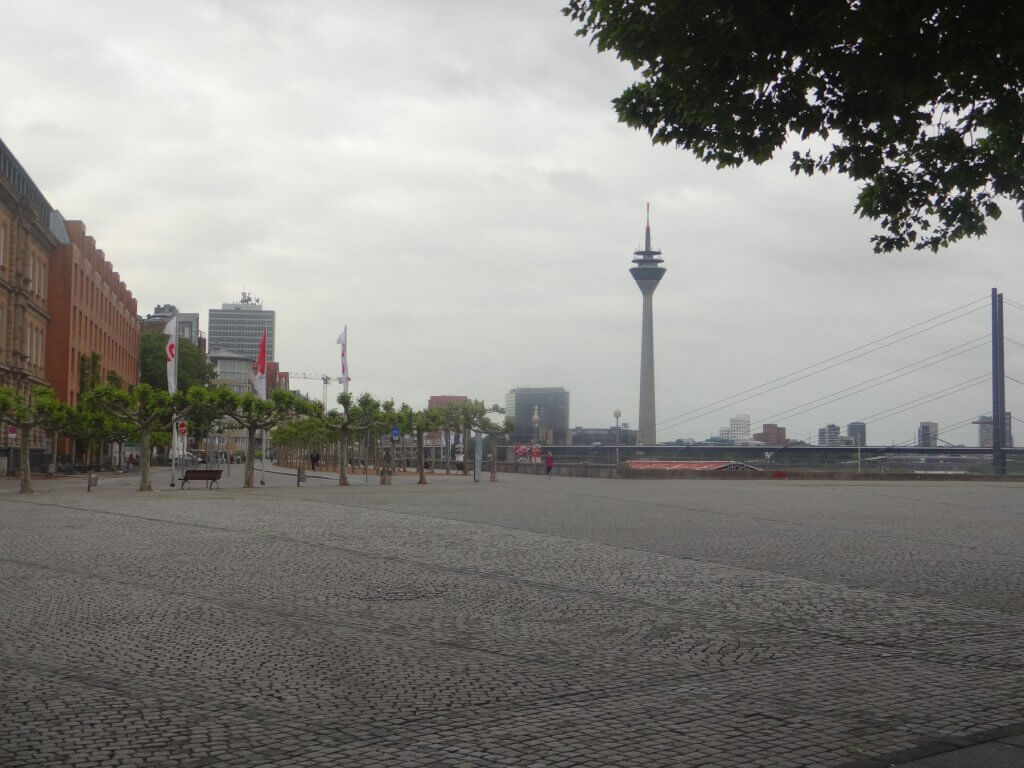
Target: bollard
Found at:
x=94, y=480
x=300, y=477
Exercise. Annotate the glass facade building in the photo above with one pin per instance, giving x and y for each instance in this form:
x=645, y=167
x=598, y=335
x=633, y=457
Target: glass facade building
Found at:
x=238, y=328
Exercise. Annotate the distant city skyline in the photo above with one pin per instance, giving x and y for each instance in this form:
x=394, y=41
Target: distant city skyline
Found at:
x=465, y=207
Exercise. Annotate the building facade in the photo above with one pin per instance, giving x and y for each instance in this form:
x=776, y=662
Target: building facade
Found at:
x=234, y=371
x=30, y=229
x=551, y=404
x=94, y=333
x=188, y=324
x=622, y=435
x=238, y=327
x=771, y=434
x=738, y=430
x=928, y=435
x=985, y=431
x=829, y=435
x=858, y=432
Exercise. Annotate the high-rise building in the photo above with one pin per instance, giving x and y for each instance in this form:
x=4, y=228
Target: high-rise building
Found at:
x=771, y=434
x=928, y=435
x=550, y=404
x=985, y=431
x=738, y=430
x=858, y=432
x=647, y=273
x=238, y=327
x=829, y=435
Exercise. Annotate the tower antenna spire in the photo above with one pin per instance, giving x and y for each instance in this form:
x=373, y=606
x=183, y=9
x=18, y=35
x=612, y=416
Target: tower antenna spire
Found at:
x=647, y=233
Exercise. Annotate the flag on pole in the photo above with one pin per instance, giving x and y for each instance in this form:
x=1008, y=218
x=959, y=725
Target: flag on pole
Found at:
x=259, y=368
x=171, y=350
x=343, y=341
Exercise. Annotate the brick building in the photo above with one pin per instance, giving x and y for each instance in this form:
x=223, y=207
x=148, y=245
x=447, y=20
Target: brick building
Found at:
x=91, y=312
x=29, y=231
x=771, y=434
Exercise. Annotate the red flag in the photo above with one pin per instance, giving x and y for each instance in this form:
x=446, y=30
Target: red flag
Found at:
x=260, y=368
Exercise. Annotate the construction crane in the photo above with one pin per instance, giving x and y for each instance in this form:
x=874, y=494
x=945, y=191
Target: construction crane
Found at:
x=322, y=377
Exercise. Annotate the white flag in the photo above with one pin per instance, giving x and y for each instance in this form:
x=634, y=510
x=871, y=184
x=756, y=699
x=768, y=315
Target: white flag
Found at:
x=171, y=329
x=343, y=341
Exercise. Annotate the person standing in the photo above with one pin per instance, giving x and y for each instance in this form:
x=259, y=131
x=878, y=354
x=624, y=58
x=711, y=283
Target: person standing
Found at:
x=549, y=462
x=314, y=459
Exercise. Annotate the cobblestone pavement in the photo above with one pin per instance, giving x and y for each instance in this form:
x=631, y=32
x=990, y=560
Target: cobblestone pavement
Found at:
x=530, y=622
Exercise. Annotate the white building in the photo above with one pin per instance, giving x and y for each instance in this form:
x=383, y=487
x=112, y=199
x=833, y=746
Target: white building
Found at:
x=233, y=370
x=738, y=429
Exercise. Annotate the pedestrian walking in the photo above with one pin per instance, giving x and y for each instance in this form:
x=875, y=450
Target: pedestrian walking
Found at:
x=314, y=459
x=549, y=462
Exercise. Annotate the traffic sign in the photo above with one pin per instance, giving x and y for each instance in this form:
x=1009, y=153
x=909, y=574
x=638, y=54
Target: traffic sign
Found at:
x=182, y=428
x=396, y=432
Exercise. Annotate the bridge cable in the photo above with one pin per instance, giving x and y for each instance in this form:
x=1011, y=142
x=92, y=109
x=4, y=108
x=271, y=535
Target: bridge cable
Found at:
x=731, y=400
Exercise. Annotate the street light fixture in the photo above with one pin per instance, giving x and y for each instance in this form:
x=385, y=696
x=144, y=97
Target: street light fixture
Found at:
x=617, y=414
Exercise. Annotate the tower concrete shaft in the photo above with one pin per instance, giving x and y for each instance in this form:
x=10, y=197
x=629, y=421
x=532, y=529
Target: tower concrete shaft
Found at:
x=647, y=273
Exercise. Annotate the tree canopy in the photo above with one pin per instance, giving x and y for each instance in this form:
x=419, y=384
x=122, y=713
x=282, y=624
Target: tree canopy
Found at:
x=193, y=368
x=26, y=412
x=920, y=102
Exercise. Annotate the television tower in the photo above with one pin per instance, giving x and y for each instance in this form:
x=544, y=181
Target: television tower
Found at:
x=647, y=273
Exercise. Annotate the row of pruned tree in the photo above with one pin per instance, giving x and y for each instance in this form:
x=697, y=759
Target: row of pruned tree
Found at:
x=369, y=421
x=108, y=413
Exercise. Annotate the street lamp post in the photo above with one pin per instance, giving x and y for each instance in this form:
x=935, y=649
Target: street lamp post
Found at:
x=617, y=414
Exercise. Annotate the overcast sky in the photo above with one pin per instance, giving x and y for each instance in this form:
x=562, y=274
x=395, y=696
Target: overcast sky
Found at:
x=450, y=181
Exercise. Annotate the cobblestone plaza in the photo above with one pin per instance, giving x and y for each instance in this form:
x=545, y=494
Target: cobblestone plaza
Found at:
x=529, y=622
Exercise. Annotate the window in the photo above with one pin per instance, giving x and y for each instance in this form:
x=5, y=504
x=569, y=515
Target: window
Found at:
x=3, y=242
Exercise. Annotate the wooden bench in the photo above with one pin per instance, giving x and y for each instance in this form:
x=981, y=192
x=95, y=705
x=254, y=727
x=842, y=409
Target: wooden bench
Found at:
x=211, y=476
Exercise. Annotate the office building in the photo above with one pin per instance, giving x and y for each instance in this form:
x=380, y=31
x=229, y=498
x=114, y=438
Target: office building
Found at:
x=738, y=430
x=188, y=324
x=985, y=431
x=829, y=435
x=771, y=434
x=858, y=432
x=551, y=406
x=238, y=327
x=928, y=435
x=234, y=371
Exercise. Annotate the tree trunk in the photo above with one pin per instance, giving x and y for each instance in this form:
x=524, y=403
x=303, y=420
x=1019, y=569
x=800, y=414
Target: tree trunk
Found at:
x=419, y=451
x=446, y=445
x=51, y=467
x=24, y=440
x=145, y=452
x=250, y=457
x=343, y=460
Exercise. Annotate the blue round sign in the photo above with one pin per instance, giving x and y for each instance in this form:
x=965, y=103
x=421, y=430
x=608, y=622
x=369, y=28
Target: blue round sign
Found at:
x=395, y=432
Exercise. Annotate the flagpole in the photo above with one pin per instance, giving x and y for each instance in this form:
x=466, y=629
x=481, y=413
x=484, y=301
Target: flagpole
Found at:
x=344, y=367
